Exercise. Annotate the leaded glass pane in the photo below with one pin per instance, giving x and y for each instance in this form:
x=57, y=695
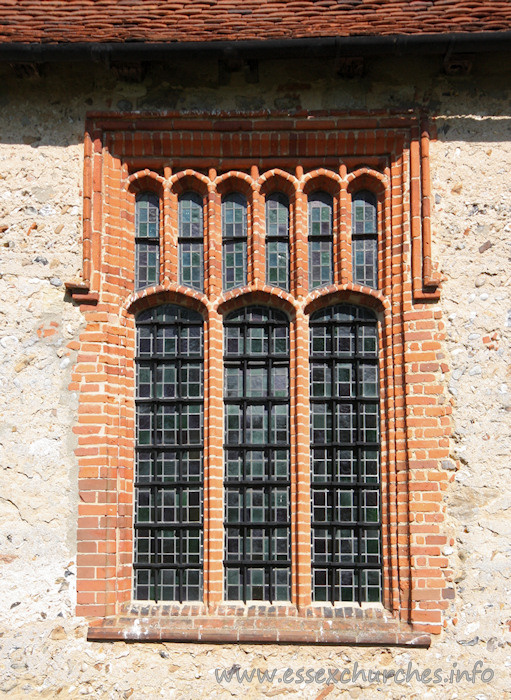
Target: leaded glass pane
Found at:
x=370, y=545
x=234, y=235
x=371, y=584
x=277, y=240
x=190, y=241
x=368, y=378
x=147, y=240
x=257, y=382
x=166, y=340
x=281, y=583
x=257, y=474
x=256, y=425
x=367, y=341
x=345, y=486
x=320, y=239
x=280, y=381
x=279, y=424
x=364, y=239
x=346, y=465
x=233, y=425
x=167, y=464
x=320, y=583
x=256, y=465
x=190, y=215
x=233, y=382
x=344, y=378
x=147, y=264
x=321, y=423
x=256, y=341
x=168, y=481
x=234, y=589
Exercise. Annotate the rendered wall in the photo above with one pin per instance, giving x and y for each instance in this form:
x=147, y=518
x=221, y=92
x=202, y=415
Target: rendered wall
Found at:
x=43, y=651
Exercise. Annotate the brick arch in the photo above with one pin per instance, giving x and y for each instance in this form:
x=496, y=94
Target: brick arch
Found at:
x=350, y=293
x=144, y=181
x=321, y=179
x=164, y=294
x=235, y=181
x=187, y=180
x=278, y=180
x=367, y=179
x=248, y=297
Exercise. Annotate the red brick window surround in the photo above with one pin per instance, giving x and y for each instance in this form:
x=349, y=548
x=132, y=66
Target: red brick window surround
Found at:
x=174, y=163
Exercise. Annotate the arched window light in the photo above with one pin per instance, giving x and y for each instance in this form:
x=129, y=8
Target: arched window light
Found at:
x=168, y=549
x=147, y=240
x=234, y=237
x=345, y=455
x=320, y=239
x=257, y=556
x=364, y=239
x=191, y=241
x=277, y=240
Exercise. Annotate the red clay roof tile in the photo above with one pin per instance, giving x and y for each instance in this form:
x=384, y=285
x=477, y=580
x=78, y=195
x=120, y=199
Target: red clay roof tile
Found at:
x=97, y=21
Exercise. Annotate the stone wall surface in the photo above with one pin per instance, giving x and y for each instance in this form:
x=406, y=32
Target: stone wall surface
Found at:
x=43, y=647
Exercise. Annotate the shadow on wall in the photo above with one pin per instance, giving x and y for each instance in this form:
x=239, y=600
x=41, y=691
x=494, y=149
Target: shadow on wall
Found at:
x=46, y=105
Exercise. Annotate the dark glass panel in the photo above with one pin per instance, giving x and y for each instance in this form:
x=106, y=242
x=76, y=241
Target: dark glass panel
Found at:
x=364, y=239
x=191, y=241
x=234, y=235
x=345, y=450
x=169, y=439
x=147, y=240
x=257, y=472
x=320, y=239
x=277, y=240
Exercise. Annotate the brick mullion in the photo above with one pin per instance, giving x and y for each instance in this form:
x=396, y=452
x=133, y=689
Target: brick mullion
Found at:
x=251, y=247
x=300, y=254
x=292, y=232
x=206, y=239
x=381, y=230
x=205, y=461
x=170, y=234
x=336, y=231
x=300, y=465
x=345, y=273
x=258, y=239
x=213, y=469
x=165, y=227
x=214, y=249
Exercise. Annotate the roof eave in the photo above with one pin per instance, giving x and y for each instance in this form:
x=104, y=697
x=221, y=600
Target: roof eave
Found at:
x=397, y=45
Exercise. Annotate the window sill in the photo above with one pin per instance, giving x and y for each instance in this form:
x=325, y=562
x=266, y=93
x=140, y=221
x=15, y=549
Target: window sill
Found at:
x=261, y=624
